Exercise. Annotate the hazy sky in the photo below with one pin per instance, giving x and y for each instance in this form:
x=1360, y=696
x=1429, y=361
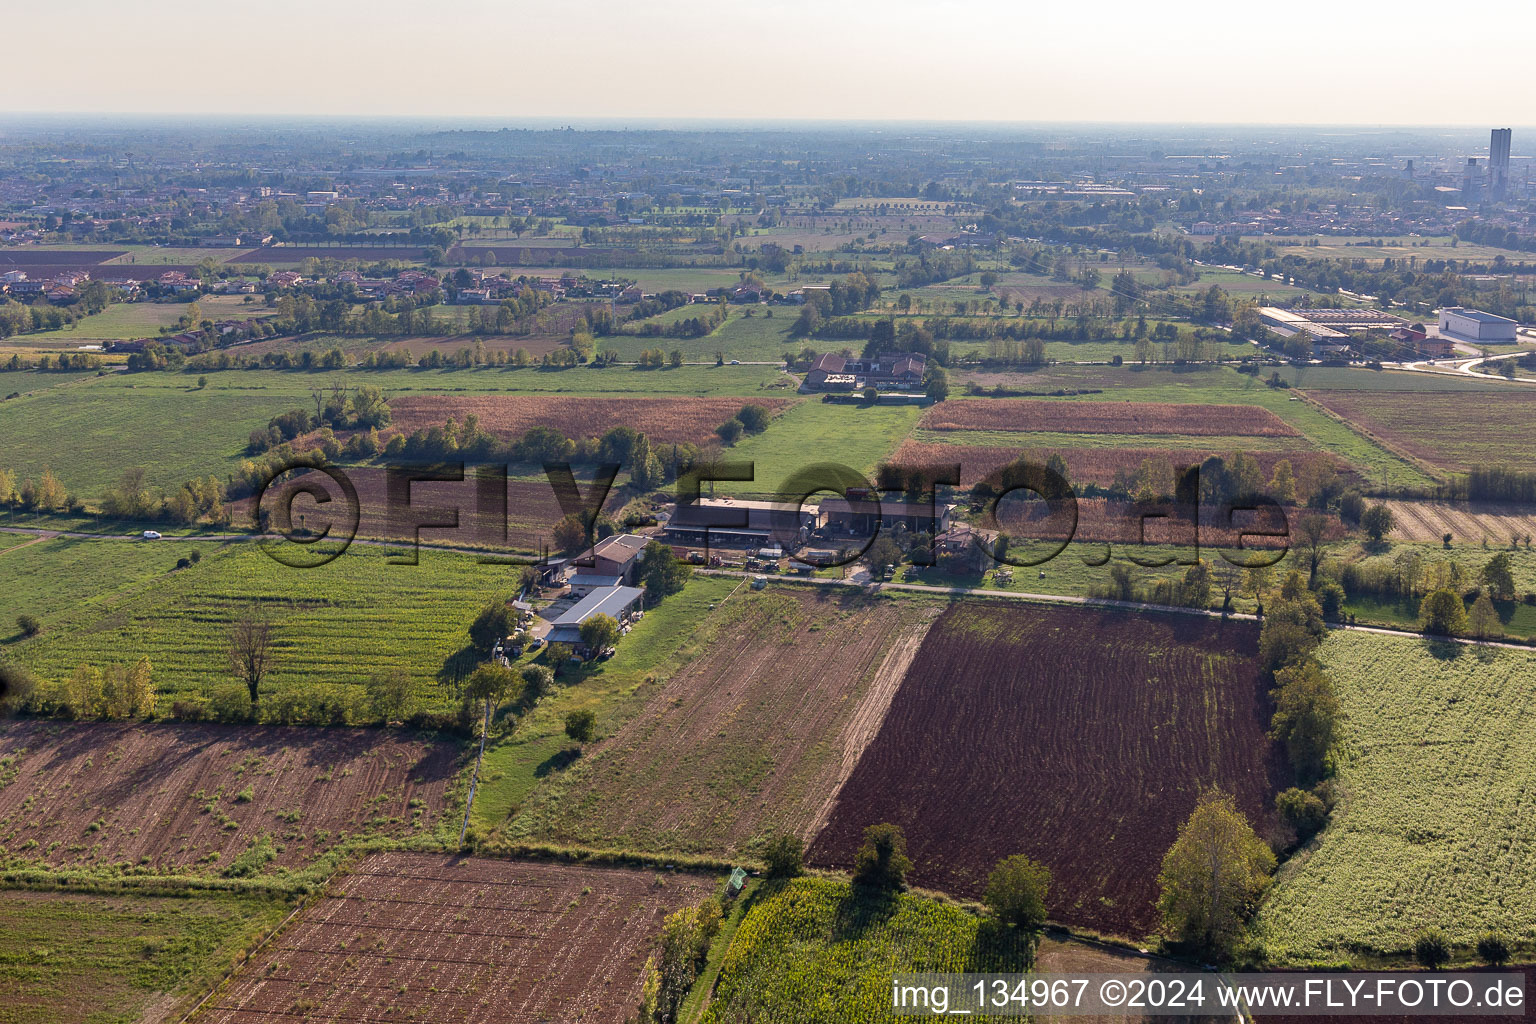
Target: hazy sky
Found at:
x=1306, y=61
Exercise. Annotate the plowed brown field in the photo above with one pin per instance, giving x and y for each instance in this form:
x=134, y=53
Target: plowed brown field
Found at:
x=1080, y=738
x=1090, y=464
x=664, y=420
x=414, y=937
x=98, y=793
x=753, y=737
x=1106, y=418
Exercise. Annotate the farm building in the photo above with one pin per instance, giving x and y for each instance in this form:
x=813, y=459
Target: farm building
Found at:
x=618, y=602
x=860, y=515
x=831, y=372
x=964, y=549
x=614, y=556
x=1416, y=338
x=1474, y=325
x=732, y=522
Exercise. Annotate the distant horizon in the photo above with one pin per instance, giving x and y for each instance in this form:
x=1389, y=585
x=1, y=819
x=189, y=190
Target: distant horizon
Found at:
x=856, y=61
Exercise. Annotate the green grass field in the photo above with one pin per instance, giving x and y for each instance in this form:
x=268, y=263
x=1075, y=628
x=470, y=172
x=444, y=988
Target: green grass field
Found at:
x=334, y=625
x=90, y=432
x=1436, y=823
x=817, y=950
x=127, y=320
x=120, y=959
x=857, y=436
x=755, y=338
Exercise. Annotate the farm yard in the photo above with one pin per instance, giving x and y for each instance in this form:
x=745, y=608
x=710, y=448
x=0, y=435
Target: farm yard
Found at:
x=816, y=948
x=417, y=937
x=213, y=799
x=1080, y=738
x=120, y=959
x=1435, y=826
x=753, y=737
x=1446, y=431
x=663, y=420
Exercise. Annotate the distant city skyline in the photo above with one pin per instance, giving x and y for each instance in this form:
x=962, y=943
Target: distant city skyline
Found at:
x=1200, y=62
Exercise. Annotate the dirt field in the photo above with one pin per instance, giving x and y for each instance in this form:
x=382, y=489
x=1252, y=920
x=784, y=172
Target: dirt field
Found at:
x=1466, y=522
x=79, y=259
x=1091, y=464
x=530, y=516
x=428, y=937
x=173, y=795
x=1106, y=418
x=1080, y=738
x=1448, y=431
x=755, y=736
x=663, y=420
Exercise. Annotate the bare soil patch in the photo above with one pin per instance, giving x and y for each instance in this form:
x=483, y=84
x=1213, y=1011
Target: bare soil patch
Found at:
x=1081, y=738
x=176, y=795
x=433, y=937
x=1106, y=418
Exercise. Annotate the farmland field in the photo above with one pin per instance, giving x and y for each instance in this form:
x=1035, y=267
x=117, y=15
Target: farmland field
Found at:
x=815, y=949
x=1450, y=432
x=1090, y=463
x=1467, y=522
x=753, y=737
x=757, y=338
x=173, y=796
x=119, y=959
x=1090, y=417
x=89, y=432
x=431, y=937
x=1079, y=738
x=125, y=320
x=532, y=508
x=1437, y=819
x=659, y=645
x=334, y=626
x=858, y=436
x=663, y=420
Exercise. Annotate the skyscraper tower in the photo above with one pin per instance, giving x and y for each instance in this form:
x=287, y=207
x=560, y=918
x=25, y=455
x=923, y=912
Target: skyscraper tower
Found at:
x=1498, y=162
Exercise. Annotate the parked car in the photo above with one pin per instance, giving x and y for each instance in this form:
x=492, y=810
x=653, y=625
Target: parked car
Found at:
x=151, y=535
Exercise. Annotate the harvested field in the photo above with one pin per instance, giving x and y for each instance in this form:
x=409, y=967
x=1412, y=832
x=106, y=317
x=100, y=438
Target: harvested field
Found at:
x=754, y=737
x=1448, y=431
x=1080, y=738
x=1188, y=420
x=1466, y=522
x=532, y=510
x=664, y=420
x=1094, y=465
x=432, y=937
x=173, y=796
x=300, y=253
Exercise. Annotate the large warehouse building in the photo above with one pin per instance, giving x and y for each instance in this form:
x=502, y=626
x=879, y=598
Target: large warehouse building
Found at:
x=1475, y=325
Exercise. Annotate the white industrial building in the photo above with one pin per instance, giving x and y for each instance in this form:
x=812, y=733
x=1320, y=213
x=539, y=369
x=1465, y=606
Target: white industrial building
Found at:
x=1476, y=326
